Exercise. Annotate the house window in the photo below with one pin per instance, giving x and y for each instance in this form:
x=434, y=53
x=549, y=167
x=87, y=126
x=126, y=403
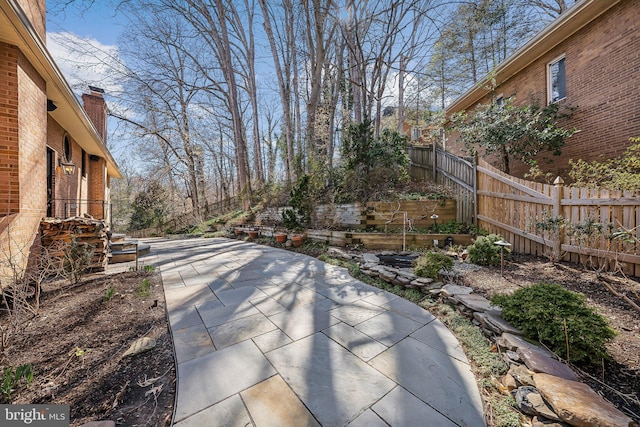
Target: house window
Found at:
x=67, y=149
x=499, y=101
x=84, y=163
x=557, y=80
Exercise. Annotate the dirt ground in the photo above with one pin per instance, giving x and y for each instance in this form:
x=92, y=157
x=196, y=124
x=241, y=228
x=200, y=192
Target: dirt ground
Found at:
x=76, y=346
x=617, y=380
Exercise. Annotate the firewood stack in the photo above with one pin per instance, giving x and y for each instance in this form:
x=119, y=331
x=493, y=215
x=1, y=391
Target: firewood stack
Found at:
x=57, y=236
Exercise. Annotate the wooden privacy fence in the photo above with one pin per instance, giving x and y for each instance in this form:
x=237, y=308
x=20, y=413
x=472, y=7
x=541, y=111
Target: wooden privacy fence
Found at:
x=580, y=225
x=454, y=172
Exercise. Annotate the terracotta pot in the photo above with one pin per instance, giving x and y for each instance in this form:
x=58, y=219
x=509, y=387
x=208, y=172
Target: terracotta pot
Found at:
x=238, y=231
x=297, y=240
x=253, y=234
x=281, y=237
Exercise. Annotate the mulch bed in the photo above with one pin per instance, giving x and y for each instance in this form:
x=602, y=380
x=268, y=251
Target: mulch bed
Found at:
x=76, y=342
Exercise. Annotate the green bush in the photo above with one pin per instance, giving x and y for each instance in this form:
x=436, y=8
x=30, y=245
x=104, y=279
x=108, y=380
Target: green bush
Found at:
x=484, y=251
x=554, y=316
x=430, y=264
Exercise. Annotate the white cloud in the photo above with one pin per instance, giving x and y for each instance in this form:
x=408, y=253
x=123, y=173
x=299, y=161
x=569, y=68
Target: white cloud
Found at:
x=87, y=62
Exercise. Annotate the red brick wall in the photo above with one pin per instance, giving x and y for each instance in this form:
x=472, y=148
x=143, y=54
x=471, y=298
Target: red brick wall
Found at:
x=96, y=109
x=97, y=186
x=603, y=82
x=36, y=12
x=9, y=183
x=26, y=131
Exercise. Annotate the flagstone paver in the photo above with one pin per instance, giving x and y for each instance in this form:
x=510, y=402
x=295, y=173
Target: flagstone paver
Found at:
x=267, y=337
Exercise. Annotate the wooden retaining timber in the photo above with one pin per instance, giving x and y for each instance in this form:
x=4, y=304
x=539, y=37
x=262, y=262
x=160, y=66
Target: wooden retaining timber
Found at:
x=385, y=241
x=375, y=215
x=57, y=235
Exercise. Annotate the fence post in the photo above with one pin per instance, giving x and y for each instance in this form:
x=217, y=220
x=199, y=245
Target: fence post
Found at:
x=557, y=205
x=475, y=189
x=435, y=161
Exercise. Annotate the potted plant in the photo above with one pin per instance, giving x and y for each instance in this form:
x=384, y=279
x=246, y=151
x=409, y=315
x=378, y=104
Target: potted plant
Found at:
x=253, y=234
x=281, y=237
x=297, y=240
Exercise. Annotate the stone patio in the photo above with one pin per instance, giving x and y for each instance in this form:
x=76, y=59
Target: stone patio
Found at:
x=268, y=337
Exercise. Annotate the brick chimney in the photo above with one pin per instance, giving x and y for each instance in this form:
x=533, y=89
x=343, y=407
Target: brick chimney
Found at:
x=96, y=109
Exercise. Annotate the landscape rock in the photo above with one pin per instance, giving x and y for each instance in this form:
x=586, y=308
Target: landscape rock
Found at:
x=140, y=346
x=451, y=290
x=474, y=302
x=403, y=281
x=387, y=276
x=577, y=404
x=499, y=325
x=512, y=355
x=537, y=422
x=370, y=259
x=521, y=374
x=513, y=342
x=539, y=361
x=508, y=382
x=521, y=395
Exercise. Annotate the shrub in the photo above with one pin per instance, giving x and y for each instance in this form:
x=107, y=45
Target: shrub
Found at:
x=430, y=264
x=484, y=251
x=556, y=316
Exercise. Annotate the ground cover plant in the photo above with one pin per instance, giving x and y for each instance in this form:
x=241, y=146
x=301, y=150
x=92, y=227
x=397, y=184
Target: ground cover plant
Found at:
x=559, y=318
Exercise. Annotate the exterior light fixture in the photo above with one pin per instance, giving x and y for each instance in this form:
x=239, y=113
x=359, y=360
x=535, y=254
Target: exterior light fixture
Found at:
x=434, y=217
x=68, y=168
x=503, y=244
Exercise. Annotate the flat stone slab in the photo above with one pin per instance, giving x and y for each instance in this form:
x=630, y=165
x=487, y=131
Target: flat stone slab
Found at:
x=229, y=413
x=273, y=403
x=239, y=295
x=451, y=290
x=409, y=310
x=334, y=384
x=271, y=340
x=217, y=376
x=303, y=321
x=219, y=315
x=368, y=419
x=355, y=313
x=514, y=342
x=239, y=330
x=192, y=342
x=184, y=318
x=268, y=306
x=444, y=383
x=188, y=296
x=401, y=408
x=388, y=328
x=437, y=335
x=474, y=302
x=577, y=404
x=501, y=325
x=355, y=341
x=370, y=258
x=381, y=298
x=538, y=361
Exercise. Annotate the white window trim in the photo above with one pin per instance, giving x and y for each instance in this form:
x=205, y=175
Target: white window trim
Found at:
x=550, y=83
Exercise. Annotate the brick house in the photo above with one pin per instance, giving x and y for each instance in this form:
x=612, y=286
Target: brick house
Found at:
x=588, y=58
x=53, y=157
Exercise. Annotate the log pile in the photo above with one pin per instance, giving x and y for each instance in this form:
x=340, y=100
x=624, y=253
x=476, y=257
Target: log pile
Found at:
x=89, y=234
